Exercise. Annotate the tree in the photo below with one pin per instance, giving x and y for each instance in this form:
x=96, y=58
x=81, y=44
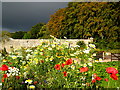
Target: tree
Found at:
x=32, y=34
x=18, y=34
x=4, y=36
x=99, y=20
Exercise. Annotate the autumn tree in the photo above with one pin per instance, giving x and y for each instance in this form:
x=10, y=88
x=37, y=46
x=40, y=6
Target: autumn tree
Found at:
x=99, y=20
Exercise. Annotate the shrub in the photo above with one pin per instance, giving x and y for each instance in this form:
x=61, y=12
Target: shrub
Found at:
x=81, y=44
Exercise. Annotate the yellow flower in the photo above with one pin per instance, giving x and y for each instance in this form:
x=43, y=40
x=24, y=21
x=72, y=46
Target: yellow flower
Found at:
x=41, y=49
x=75, y=61
x=28, y=81
x=4, y=60
x=35, y=52
x=31, y=86
x=14, y=57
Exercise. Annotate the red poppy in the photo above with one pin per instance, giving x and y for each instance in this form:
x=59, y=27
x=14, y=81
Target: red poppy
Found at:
x=106, y=79
x=4, y=67
x=114, y=76
x=57, y=66
x=69, y=62
x=83, y=69
x=63, y=64
x=94, y=80
x=98, y=78
x=111, y=70
x=17, y=77
x=65, y=73
x=5, y=75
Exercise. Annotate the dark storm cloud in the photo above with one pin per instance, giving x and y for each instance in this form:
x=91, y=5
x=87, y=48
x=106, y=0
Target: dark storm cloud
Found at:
x=23, y=15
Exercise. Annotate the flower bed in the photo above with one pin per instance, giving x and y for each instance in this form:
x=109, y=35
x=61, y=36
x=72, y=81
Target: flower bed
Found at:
x=51, y=65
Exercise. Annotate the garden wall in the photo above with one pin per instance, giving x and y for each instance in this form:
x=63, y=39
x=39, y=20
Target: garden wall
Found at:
x=17, y=43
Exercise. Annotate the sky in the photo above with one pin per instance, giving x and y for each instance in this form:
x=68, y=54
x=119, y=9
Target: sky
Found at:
x=21, y=16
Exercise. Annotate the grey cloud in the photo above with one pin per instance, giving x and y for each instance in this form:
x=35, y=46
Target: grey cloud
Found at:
x=23, y=15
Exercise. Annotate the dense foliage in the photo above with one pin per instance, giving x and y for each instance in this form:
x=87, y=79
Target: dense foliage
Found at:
x=18, y=34
x=99, y=20
x=33, y=33
x=81, y=44
x=55, y=65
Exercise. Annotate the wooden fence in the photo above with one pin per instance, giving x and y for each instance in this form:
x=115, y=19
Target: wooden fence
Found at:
x=115, y=56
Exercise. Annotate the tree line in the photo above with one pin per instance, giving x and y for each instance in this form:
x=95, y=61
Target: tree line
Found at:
x=81, y=20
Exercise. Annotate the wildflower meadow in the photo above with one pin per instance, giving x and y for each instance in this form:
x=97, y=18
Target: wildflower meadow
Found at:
x=56, y=65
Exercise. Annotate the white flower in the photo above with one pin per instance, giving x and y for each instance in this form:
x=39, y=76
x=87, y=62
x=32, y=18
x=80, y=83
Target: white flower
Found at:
x=53, y=45
x=90, y=59
x=28, y=50
x=83, y=84
x=94, y=54
x=100, y=60
x=49, y=48
x=73, y=67
x=41, y=53
x=65, y=37
x=108, y=53
x=76, y=46
x=86, y=51
x=92, y=45
x=8, y=74
x=90, y=64
x=72, y=55
x=0, y=84
x=14, y=57
x=84, y=65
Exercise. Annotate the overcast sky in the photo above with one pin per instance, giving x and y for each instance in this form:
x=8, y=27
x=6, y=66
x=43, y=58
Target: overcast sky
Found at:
x=21, y=16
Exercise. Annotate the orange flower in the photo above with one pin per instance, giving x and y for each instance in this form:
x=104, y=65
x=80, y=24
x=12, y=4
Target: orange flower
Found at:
x=83, y=69
x=57, y=66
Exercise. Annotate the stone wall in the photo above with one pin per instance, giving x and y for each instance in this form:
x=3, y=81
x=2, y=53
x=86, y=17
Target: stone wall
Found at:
x=18, y=43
